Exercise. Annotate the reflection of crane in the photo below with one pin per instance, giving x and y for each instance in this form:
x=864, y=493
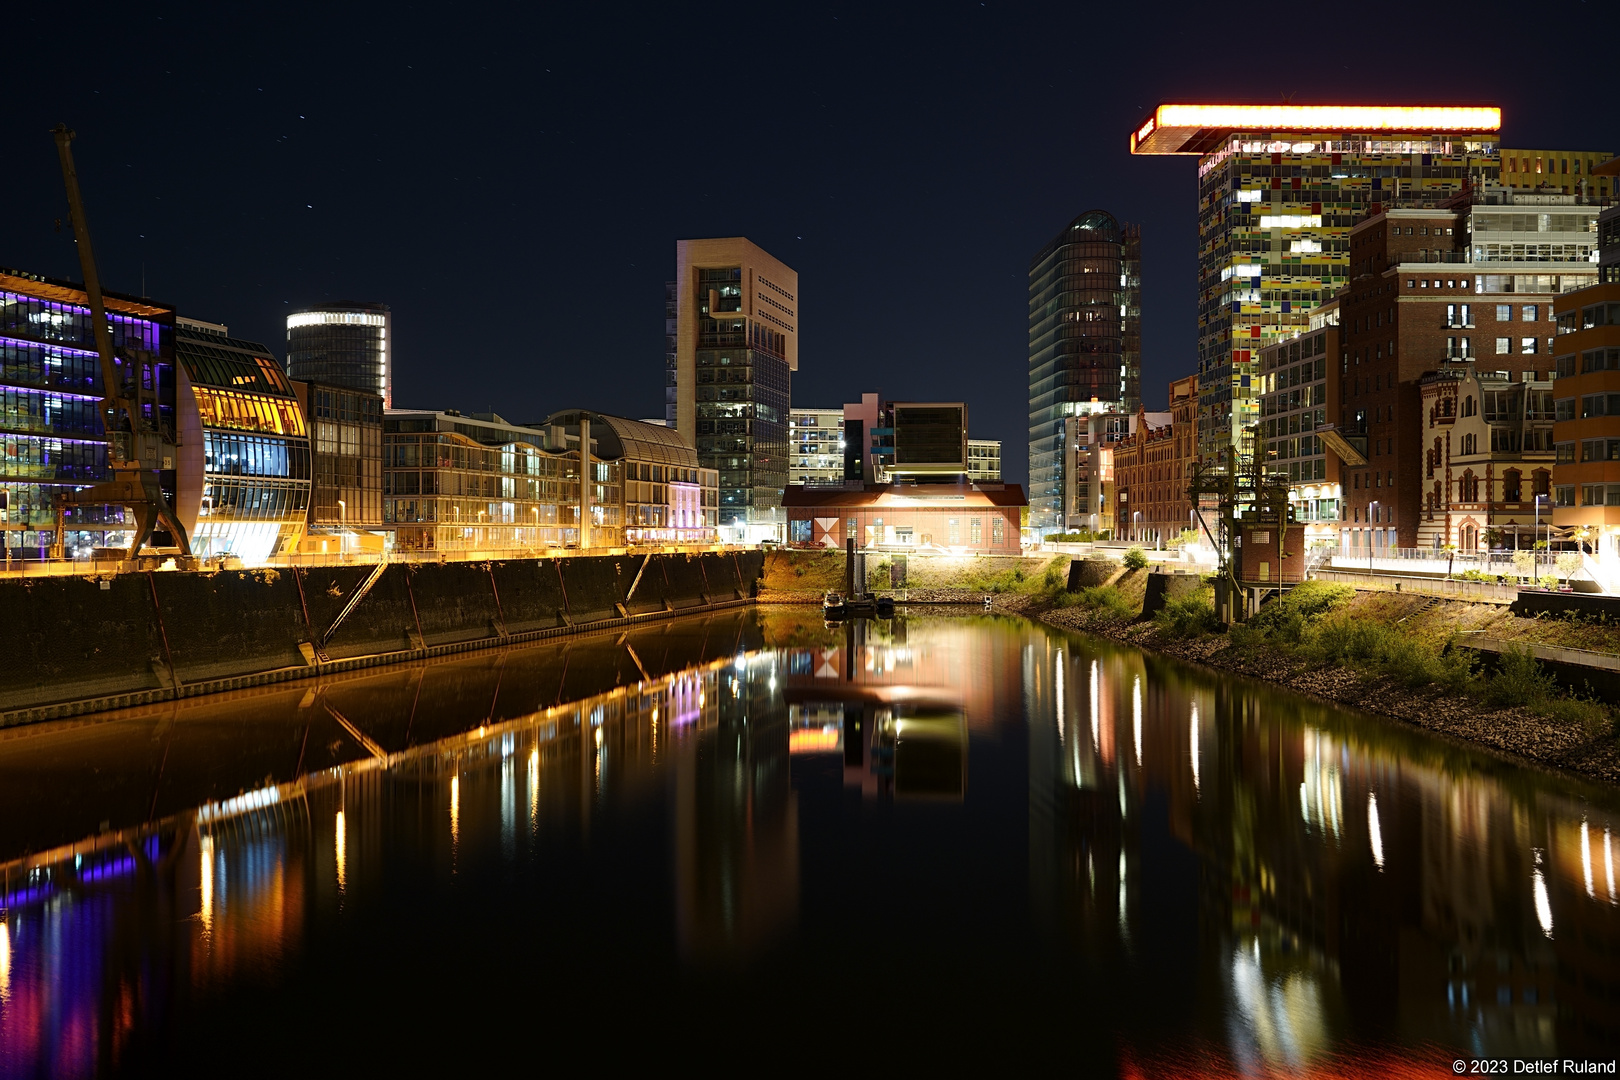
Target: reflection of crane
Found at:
x=138, y=443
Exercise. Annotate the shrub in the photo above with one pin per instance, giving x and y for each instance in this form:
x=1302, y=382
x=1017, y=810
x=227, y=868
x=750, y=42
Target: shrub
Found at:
x=1135, y=559
x=1548, y=581
x=1338, y=638
x=1108, y=602
x=1187, y=616
x=1287, y=618
x=1569, y=563
x=1519, y=679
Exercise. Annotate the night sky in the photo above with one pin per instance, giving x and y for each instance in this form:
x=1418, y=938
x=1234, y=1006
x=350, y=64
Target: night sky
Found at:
x=513, y=181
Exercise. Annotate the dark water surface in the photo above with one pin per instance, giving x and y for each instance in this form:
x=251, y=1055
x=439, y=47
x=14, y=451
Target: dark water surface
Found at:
x=754, y=842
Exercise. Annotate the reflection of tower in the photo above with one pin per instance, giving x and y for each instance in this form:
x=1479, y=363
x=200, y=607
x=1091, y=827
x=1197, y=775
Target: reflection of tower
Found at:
x=736, y=823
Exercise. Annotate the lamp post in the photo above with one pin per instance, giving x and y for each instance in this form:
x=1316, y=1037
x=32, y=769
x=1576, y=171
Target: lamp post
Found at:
x=1372, y=512
x=343, y=528
x=1534, y=554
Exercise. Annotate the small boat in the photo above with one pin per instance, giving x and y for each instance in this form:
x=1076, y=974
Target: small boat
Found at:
x=835, y=605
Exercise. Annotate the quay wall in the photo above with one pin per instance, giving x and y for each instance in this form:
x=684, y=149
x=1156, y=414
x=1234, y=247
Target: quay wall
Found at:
x=80, y=644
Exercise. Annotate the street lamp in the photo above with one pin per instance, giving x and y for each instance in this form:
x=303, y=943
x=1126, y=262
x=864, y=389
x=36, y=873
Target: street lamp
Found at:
x=1372, y=513
x=343, y=527
x=1534, y=554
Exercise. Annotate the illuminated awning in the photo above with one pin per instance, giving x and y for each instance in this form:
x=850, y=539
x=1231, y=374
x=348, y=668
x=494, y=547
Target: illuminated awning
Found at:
x=1195, y=129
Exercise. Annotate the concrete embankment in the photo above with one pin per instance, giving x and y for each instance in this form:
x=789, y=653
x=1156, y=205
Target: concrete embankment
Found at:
x=79, y=644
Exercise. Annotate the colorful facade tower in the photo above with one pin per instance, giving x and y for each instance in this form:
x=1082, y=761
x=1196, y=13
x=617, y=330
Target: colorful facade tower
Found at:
x=1279, y=187
x=1085, y=346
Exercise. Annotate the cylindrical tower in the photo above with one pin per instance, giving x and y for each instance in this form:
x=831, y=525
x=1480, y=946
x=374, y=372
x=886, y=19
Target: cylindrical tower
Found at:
x=344, y=345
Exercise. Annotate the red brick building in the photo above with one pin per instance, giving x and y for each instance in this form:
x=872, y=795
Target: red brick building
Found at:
x=1150, y=499
x=1418, y=300
x=981, y=519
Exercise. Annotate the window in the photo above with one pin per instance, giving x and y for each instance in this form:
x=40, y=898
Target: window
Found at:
x=1527, y=346
x=1528, y=313
x=1595, y=360
x=1564, y=453
x=975, y=532
x=1504, y=312
x=998, y=531
x=1512, y=489
x=1504, y=346
x=1563, y=495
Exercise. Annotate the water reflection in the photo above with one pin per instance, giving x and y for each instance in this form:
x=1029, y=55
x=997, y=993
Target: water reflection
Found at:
x=1193, y=874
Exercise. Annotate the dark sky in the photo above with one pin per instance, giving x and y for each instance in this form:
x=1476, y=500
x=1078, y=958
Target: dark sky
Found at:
x=513, y=180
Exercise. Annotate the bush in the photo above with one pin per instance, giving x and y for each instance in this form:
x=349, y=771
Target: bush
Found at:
x=1108, y=602
x=1135, y=559
x=1338, y=638
x=1287, y=618
x=1519, y=679
x=1187, y=616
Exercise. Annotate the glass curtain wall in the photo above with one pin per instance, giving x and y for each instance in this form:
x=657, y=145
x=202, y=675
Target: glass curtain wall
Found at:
x=743, y=389
x=1084, y=344
x=256, y=460
x=51, y=434
x=445, y=492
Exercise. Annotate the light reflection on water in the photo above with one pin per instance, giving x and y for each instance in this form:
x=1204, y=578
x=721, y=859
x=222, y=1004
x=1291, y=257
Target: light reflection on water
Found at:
x=1173, y=862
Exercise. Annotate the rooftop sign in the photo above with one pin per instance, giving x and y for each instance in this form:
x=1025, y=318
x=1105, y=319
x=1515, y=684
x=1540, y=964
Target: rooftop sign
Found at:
x=1193, y=129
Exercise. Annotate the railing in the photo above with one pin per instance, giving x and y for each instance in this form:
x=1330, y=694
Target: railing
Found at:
x=1421, y=258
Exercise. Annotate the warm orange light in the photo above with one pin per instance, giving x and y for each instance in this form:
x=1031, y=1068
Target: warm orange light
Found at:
x=812, y=740
x=1171, y=126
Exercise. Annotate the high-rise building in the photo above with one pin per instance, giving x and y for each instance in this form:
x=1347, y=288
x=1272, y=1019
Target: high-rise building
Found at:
x=1279, y=187
x=1085, y=311
x=343, y=345
x=736, y=347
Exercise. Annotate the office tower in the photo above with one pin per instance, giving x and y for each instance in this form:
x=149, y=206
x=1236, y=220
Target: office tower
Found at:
x=1085, y=311
x=1279, y=187
x=244, y=469
x=342, y=345
x=1468, y=289
x=736, y=347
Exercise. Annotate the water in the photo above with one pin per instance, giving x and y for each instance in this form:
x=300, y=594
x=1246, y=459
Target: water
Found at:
x=750, y=839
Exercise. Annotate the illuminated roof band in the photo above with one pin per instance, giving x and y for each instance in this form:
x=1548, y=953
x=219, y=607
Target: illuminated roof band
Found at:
x=1195, y=129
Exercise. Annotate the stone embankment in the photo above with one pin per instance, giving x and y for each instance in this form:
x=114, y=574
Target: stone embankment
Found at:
x=85, y=644
x=1520, y=733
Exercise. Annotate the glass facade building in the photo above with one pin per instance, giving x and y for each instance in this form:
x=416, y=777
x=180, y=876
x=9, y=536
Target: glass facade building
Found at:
x=244, y=482
x=666, y=496
x=343, y=345
x=345, y=438
x=479, y=483
x=51, y=432
x=1085, y=345
x=1279, y=188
